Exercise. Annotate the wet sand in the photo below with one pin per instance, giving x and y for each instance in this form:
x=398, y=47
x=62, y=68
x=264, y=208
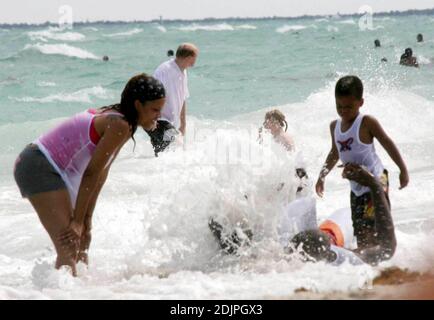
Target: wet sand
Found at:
x=393, y=283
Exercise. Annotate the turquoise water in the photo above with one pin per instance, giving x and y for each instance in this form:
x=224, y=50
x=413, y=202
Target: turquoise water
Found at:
x=243, y=66
x=150, y=237
x=47, y=73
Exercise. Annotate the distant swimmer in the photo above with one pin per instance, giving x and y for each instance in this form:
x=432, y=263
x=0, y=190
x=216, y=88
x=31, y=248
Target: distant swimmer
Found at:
x=419, y=37
x=407, y=59
x=170, y=53
x=377, y=43
x=63, y=171
x=105, y=58
x=383, y=59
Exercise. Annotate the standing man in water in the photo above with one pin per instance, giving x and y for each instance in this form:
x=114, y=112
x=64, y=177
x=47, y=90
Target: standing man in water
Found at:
x=173, y=75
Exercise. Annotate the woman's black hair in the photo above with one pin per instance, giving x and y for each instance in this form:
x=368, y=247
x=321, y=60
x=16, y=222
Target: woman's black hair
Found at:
x=140, y=87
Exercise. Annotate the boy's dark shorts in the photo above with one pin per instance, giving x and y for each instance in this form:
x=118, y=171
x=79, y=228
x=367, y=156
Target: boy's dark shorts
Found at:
x=163, y=135
x=363, y=214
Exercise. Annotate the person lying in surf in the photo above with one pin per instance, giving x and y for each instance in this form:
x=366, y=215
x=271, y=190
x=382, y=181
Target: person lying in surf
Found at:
x=332, y=240
x=322, y=244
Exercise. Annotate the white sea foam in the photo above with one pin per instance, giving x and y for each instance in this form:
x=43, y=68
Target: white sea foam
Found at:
x=332, y=29
x=246, y=27
x=349, y=21
x=287, y=28
x=125, y=34
x=423, y=60
x=61, y=49
x=162, y=29
x=55, y=34
x=385, y=19
x=214, y=27
x=46, y=84
x=84, y=95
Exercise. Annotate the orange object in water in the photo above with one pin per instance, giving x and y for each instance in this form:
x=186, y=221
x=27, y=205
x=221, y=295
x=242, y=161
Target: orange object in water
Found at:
x=334, y=231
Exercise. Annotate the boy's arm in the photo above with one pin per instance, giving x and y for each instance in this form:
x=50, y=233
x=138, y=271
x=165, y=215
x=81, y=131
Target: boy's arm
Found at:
x=332, y=159
x=377, y=132
x=383, y=217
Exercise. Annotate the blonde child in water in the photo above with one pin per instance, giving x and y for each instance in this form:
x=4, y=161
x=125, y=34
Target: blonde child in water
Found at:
x=275, y=122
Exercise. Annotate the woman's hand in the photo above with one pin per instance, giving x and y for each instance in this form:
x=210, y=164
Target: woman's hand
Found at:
x=70, y=237
x=85, y=240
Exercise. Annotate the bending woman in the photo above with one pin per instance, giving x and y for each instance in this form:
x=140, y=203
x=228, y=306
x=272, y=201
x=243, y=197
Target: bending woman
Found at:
x=63, y=171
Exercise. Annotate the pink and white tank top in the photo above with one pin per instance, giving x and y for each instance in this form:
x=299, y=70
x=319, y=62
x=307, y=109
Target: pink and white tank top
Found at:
x=69, y=148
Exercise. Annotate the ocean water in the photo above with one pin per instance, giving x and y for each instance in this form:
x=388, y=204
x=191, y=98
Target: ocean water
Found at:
x=150, y=237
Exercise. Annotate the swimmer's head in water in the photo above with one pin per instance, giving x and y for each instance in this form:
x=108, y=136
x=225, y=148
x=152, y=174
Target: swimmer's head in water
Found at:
x=314, y=245
x=141, y=101
x=420, y=37
x=170, y=53
x=275, y=118
x=408, y=52
x=105, y=58
x=377, y=43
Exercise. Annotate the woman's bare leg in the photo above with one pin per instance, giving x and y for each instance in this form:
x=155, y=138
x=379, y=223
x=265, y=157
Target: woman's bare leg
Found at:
x=55, y=212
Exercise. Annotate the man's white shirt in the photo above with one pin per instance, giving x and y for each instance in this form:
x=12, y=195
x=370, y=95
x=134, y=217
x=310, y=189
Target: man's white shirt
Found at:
x=175, y=82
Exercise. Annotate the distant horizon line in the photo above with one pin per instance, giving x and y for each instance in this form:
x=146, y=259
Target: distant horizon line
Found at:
x=346, y=15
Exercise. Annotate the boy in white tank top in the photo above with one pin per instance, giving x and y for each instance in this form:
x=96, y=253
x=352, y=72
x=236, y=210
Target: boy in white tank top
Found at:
x=353, y=142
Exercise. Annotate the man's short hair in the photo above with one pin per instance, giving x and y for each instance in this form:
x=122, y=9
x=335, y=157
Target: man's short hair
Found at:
x=349, y=86
x=186, y=50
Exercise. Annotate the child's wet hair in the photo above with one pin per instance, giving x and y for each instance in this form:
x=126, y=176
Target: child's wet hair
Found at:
x=349, y=86
x=278, y=116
